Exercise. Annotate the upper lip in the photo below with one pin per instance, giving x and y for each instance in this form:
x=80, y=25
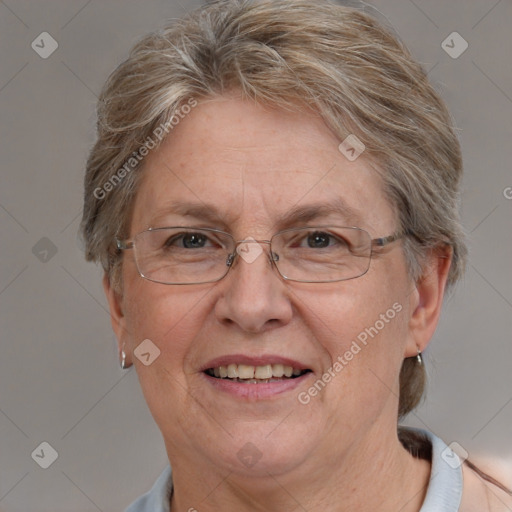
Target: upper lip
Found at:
x=253, y=361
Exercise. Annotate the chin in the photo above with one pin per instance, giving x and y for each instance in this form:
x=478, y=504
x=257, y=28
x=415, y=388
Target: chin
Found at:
x=271, y=448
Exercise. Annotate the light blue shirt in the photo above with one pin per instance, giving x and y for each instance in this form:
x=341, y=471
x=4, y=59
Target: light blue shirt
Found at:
x=444, y=491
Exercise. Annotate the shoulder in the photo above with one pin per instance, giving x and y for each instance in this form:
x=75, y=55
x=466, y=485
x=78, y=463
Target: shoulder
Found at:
x=456, y=485
x=158, y=498
x=481, y=495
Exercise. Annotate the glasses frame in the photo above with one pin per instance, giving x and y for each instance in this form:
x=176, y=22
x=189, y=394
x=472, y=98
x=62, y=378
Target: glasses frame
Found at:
x=124, y=245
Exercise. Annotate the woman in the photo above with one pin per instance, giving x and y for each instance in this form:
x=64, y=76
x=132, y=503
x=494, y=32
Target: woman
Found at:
x=273, y=197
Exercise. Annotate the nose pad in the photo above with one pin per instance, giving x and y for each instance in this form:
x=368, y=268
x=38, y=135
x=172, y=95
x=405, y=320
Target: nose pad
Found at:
x=230, y=259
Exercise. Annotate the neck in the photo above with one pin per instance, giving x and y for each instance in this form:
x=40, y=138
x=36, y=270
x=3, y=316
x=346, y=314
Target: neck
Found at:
x=373, y=474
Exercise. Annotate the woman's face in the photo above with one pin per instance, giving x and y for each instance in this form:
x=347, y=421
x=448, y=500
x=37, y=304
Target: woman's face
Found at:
x=251, y=166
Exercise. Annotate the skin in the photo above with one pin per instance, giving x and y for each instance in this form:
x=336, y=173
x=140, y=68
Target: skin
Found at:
x=339, y=452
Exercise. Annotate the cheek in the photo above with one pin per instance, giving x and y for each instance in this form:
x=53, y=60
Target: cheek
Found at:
x=359, y=309
x=361, y=328
x=171, y=319
x=168, y=316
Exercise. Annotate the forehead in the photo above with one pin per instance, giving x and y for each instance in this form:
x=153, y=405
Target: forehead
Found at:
x=237, y=164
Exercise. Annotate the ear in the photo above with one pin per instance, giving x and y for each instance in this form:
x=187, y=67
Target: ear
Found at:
x=426, y=300
x=117, y=318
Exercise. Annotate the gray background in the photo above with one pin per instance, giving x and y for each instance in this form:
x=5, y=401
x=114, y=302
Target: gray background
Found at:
x=59, y=376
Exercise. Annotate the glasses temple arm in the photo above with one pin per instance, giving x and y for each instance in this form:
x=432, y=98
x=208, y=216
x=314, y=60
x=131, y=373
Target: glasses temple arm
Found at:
x=385, y=240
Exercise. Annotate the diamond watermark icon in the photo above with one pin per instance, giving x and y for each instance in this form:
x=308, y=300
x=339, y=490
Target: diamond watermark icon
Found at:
x=45, y=455
x=44, y=250
x=454, y=455
x=249, y=250
x=454, y=45
x=147, y=352
x=351, y=147
x=44, y=45
x=249, y=455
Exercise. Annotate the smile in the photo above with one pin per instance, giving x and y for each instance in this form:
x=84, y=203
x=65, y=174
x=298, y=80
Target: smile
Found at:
x=249, y=374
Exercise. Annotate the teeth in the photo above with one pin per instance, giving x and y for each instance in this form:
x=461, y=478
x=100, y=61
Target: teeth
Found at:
x=232, y=371
x=277, y=370
x=263, y=372
x=250, y=373
x=245, y=371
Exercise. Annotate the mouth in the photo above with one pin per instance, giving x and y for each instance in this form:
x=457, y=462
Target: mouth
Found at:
x=255, y=377
x=250, y=378
x=249, y=374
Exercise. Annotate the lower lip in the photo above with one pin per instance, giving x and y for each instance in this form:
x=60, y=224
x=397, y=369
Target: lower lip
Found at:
x=256, y=391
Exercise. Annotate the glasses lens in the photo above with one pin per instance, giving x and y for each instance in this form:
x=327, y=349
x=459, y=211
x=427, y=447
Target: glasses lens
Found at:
x=322, y=254
x=182, y=255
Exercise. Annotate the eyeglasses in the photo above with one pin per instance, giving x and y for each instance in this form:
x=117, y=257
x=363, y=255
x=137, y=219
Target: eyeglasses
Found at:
x=316, y=254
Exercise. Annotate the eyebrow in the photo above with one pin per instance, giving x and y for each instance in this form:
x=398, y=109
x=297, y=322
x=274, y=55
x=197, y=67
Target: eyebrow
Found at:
x=299, y=214
x=200, y=211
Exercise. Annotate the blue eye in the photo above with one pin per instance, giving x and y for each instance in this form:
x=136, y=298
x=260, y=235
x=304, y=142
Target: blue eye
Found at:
x=322, y=239
x=194, y=240
x=318, y=239
x=187, y=240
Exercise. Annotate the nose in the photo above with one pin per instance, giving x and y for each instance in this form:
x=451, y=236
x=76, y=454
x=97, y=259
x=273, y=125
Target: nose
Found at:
x=253, y=295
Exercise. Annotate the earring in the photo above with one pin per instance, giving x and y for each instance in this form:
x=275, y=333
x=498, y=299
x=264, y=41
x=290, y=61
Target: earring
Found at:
x=123, y=359
x=419, y=358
